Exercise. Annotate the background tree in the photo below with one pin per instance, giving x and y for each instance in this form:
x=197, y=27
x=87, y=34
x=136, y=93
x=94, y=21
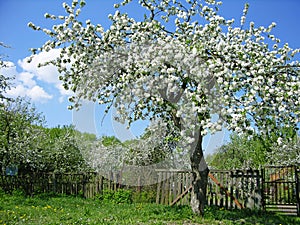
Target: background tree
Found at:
x=136, y=158
x=20, y=134
x=182, y=63
x=27, y=145
x=285, y=153
x=64, y=150
x=104, y=154
x=255, y=151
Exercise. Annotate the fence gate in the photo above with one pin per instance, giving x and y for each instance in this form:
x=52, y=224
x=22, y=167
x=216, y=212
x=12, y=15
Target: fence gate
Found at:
x=281, y=189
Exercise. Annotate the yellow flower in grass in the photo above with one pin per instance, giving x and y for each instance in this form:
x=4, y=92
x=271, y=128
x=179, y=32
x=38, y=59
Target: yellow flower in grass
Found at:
x=47, y=207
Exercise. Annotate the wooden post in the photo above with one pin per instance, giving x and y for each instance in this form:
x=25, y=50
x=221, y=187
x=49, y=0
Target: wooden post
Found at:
x=227, y=196
x=121, y=179
x=179, y=183
x=139, y=184
x=54, y=182
x=158, y=195
x=84, y=185
x=167, y=194
x=221, y=203
x=101, y=184
x=164, y=196
x=264, y=189
x=297, y=189
x=110, y=180
x=186, y=185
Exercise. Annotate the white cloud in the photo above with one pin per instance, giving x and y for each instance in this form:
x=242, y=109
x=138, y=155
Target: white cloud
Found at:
x=36, y=93
x=18, y=90
x=49, y=73
x=24, y=84
x=32, y=80
x=27, y=79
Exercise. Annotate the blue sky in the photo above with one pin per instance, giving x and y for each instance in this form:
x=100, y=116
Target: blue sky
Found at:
x=43, y=86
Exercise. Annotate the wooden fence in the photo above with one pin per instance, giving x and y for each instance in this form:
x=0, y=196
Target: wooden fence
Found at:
x=85, y=184
x=275, y=187
x=228, y=189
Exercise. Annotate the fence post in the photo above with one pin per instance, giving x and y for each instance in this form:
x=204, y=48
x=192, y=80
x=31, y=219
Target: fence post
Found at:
x=231, y=189
x=167, y=188
x=53, y=182
x=263, y=191
x=297, y=189
x=139, y=188
x=159, y=187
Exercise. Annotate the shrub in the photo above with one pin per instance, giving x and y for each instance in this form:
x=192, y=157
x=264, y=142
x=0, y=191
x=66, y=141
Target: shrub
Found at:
x=123, y=196
x=148, y=196
x=120, y=196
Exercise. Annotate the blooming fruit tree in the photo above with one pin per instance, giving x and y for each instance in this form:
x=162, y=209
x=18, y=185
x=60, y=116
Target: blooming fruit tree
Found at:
x=182, y=64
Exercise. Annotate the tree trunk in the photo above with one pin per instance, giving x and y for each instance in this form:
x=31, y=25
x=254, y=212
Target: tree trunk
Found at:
x=200, y=177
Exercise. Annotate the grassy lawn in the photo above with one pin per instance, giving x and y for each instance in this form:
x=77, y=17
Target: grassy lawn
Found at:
x=43, y=209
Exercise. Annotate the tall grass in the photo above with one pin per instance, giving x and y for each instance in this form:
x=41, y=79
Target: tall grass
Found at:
x=54, y=209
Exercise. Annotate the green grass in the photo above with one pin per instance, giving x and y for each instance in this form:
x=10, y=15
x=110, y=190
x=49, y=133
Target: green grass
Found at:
x=47, y=209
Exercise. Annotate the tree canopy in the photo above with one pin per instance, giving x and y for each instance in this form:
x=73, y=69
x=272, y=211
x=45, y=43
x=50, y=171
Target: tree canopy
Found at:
x=142, y=68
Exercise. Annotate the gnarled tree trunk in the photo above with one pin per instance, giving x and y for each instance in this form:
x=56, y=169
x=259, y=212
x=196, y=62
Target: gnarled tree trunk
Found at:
x=200, y=177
